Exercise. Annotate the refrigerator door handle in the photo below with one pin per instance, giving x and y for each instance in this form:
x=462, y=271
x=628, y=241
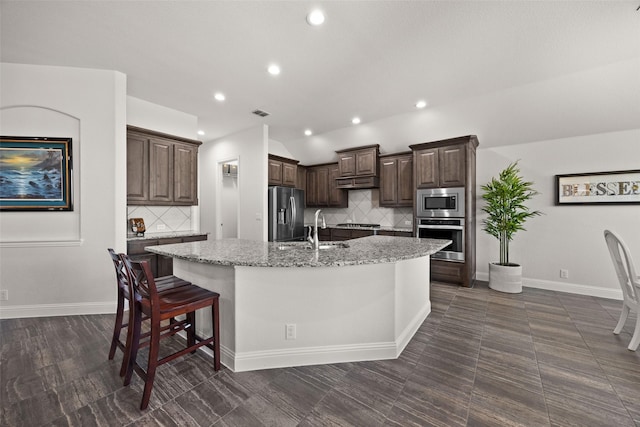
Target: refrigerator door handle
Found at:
x=294, y=212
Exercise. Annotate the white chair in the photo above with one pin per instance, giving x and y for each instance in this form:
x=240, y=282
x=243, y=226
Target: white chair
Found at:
x=629, y=282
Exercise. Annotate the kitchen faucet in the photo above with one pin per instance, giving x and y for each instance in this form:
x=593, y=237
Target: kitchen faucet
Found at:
x=315, y=240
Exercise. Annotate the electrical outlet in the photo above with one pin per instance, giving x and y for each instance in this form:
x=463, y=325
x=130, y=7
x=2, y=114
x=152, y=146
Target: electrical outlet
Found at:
x=407, y=222
x=564, y=274
x=4, y=295
x=160, y=226
x=290, y=331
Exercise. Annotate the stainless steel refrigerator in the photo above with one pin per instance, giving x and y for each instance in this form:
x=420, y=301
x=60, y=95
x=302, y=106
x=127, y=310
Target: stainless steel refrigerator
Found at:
x=286, y=214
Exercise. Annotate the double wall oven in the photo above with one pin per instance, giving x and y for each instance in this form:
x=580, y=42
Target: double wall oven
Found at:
x=440, y=215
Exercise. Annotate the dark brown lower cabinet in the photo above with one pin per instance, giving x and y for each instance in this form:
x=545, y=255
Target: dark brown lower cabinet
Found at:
x=447, y=271
x=394, y=233
x=160, y=265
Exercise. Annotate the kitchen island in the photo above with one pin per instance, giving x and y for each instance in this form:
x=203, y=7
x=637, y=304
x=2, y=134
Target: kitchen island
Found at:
x=283, y=304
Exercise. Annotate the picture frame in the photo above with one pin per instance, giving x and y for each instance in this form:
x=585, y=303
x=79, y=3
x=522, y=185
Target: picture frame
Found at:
x=598, y=188
x=36, y=174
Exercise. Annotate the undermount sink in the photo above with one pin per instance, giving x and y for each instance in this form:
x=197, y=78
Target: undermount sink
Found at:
x=309, y=247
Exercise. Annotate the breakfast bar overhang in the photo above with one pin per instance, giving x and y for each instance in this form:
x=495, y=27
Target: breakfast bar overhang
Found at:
x=287, y=305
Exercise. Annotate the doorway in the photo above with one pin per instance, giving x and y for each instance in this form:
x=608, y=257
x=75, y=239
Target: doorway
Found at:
x=228, y=198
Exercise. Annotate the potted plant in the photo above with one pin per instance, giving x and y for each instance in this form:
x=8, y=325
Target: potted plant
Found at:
x=505, y=199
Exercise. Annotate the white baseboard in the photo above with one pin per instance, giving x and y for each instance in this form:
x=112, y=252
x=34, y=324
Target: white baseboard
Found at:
x=47, y=310
x=571, y=288
x=250, y=361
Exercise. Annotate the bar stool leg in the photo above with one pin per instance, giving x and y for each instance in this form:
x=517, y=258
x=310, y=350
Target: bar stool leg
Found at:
x=133, y=344
x=215, y=323
x=191, y=330
x=118, y=325
x=152, y=364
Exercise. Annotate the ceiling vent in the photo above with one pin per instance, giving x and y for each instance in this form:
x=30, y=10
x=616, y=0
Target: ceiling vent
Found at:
x=260, y=113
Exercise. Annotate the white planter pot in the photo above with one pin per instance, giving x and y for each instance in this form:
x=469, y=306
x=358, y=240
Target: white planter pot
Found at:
x=505, y=278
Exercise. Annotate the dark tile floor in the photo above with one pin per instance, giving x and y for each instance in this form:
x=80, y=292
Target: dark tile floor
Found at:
x=480, y=359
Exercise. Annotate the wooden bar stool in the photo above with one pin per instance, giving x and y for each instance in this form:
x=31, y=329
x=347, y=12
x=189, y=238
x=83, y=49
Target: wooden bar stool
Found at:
x=164, y=284
x=147, y=301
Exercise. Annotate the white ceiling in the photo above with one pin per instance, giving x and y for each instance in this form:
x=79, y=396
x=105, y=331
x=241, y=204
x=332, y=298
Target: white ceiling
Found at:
x=373, y=59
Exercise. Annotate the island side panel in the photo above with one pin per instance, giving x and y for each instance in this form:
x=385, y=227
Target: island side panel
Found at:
x=341, y=314
x=413, y=304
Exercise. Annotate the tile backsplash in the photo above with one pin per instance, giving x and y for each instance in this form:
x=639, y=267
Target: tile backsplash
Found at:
x=169, y=218
x=364, y=207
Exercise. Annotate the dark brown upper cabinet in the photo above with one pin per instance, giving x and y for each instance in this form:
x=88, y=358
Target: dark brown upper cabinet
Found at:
x=358, y=167
x=440, y=166
x=396, y=180
x=282, y=171
x=161, y=169
x=321, y=190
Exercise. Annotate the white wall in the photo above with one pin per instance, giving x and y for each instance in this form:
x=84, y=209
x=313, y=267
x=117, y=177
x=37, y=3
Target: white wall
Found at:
x=567, y=237
x=249, y=147
x=56, y=262
x=147, y=115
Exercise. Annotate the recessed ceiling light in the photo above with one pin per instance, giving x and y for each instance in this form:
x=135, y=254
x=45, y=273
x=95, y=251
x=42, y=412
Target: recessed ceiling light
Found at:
x=355, y=120
x=315, y=17
x=421, y=104
x=308, y=132
x=219, y=96
x=273, y=69
x=201, y=132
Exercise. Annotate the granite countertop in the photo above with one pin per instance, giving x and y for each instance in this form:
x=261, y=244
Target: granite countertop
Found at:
x=366, y=250
x=165, y=235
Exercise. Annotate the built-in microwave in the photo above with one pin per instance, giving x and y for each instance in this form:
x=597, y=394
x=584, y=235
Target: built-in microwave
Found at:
x=440, y=202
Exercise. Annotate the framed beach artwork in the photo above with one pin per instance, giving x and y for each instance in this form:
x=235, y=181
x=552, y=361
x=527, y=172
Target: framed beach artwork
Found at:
x=35, y=174
x=598, y=188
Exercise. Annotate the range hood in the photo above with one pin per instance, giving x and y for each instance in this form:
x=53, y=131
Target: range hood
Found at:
x=358, y=182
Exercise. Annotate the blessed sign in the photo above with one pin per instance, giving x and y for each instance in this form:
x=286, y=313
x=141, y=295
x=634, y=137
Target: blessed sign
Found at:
x=600, y=187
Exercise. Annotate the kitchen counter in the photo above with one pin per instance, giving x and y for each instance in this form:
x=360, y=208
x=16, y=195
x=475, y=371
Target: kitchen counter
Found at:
x=296, y=306
x=164, y=235
x=366, y=250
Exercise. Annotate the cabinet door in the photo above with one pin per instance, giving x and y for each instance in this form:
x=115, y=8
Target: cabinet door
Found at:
x=426, y=164
x=185, y=181
x=275, y=172
x=339, y=234
x=301, y=178
x=322, y=186
x=366, y=162
x=160, y=171
x=289, y=174
x=312, y=187
x=355, y=234
x=388, y=181
x=137, y=168
x=337, y=196
x=452, y=166
x=405, y=181
x=194, y=238
x=347, y=164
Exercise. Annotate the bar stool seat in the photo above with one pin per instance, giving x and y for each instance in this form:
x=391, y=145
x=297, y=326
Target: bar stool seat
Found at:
x=159, y=307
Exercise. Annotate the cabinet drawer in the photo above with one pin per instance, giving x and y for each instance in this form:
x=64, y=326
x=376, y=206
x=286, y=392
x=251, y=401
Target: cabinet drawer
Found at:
x=361, y=233
x=169, y=241
x=340, y=234
x=404, y=234
x=447, y=271
x=193, y=239
x=136, y=247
